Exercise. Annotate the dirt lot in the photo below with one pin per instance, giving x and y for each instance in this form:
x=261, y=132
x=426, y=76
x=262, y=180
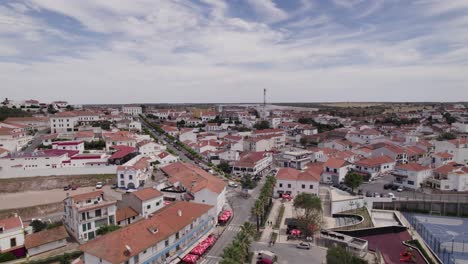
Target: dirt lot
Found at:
x=52, y=182
x=33, y=198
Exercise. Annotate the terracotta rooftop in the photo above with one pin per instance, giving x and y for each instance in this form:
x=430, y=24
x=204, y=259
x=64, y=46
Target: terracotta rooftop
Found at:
x=45, y=237
x=147, y=194
x=335, y=163
x=412, y=167
x=11, y=223
x=121, y=245
x=125, y=213
x=87, y=196
x=376, y=161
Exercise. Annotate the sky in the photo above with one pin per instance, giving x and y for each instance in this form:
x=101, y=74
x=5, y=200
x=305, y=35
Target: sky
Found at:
x=208, y=51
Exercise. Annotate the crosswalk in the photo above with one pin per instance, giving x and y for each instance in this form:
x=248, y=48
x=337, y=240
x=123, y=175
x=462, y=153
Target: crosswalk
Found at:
x=210, y=260
x=233, y=228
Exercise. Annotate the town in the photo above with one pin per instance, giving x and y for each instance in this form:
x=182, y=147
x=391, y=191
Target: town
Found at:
x=233, y=183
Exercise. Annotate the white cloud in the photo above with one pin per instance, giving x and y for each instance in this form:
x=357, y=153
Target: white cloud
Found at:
x=268, y=10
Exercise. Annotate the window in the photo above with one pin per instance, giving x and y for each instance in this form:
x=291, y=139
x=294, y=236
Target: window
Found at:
x=130, y=177
x=289, y=185
x=158, y=203
x=13, y=242
x=89, y=226
x=83, y=216
x=303, y=186
x=166, y=243
x=177, y=235
x=136, y=259
x=84, y=227
x=280, y=185
x=148, y=206
x=311, y=186
x=410, y=182
x=98, y=213
x=121, y=176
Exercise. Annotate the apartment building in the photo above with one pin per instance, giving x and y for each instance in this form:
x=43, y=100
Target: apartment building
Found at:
x=335, y=170
x=375, y=166
x=450, y=177
x=411, y=175
x=278, y=136
x=161, y=238
x=85, y=213
x=458, y=148
x=253, y=164
x=295, y=159
x=132, y=110
x=69, y=121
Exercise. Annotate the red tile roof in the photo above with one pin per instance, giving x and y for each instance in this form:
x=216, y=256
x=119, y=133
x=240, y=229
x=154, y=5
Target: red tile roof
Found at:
x=335, y=163
x=125, y=213
x=45, y=237
x=412, y=167
x=87, y=196
x=147, y=194
x=122, y=151
x=11, y=223
x=376, y=161
x=444, y=155
x=122, y=244
x=250, y=159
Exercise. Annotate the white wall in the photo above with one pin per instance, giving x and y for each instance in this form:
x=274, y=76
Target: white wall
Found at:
x=47, y=247
x=19, y=173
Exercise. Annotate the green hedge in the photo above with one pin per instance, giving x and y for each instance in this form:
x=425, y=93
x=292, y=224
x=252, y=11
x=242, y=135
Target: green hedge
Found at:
x=279, y=217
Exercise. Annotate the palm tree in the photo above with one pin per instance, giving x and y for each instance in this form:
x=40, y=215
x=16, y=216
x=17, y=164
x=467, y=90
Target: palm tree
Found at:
x=257, y=210
x=248, y=228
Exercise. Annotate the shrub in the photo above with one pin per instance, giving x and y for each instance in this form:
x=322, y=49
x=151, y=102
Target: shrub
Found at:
x=4, y=257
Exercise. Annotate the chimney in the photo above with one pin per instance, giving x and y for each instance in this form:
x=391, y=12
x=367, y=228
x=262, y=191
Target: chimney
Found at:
x=179, y=212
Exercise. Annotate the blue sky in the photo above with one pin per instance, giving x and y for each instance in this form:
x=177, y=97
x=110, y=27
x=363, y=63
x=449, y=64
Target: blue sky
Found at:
x=116, y=51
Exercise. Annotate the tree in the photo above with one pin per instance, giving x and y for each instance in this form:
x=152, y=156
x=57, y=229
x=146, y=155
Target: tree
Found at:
x=8, y=256
x=339, y=255
x=107, y=229
x=309, y=212
x=248, y=183
x=303, y=141
x=257, y=210
x=262, y=125
x=38, y=225
x=449, y=118
x=446, y=136
x=224, y=166
x=248, y=228
x=353, y=180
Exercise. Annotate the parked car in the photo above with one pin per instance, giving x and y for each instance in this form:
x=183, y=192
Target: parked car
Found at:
x=399, y=189
x=394, y=187
x=66, y=187
x=391, y=195
x=303, y=245
x=377, y=195
x=114, y=186
x=74, y=186
x=368, y=194
x=387, y=186
x=233, y=184
x=99, y=185
x=359, y=192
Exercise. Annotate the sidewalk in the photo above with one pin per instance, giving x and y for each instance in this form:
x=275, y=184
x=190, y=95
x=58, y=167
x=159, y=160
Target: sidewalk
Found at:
x=272, y=218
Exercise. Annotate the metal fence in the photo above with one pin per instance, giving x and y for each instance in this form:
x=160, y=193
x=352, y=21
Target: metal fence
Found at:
x=445, y=254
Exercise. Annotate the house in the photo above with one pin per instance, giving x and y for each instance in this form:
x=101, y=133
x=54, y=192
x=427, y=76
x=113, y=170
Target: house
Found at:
x=132, y=110
x=213, y=127
x=187, y=134
x=450, y=177
x=253, y=164
x=335, y=170
x=69, y=121
x=12, y=236
x=134, y=173
x=207, y=116
x=126, y=215
x=119, y=138
x=458, y=148
x=229, y=155
x=340, y=145
x=165, y=158
x=258, y=144
x=375, y=166
x=85, y=213
x=149, y=147
x=198, y=185
x=293, y=182
x=144, y=201
x=295, y=159
x=69, y=145
x=46, y=240
x=170, y=130
x=441, y=158
x=365, y=136
x=411, y=175
x=236, y=142
x=278, y=136
x=13, y=137
x=398, y=153
x=31, y=123
x=161, y=238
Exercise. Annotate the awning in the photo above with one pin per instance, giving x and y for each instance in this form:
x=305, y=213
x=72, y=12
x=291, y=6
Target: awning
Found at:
x=190, y=258
x=295, y=232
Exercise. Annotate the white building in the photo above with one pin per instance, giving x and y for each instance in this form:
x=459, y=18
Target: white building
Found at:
x=278, y=136
x=69, y=145
x=150, y=148
x=253, y=164
x=144, y=201
x=295, y=159
x=335, y=170
x=293, y=182
x=197, y=185
x=12, y=235
x=85, y=213
x=162, y=238
x=375, y=166
x=450, y=177
x=411, y=175
x=132, y=110
x=134, y=173
x=69, y=121
x=456, y=147
x=13, y=137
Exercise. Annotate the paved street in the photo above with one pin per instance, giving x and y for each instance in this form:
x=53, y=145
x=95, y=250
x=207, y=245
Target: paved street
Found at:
x=288, y=253
x=36, y=141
